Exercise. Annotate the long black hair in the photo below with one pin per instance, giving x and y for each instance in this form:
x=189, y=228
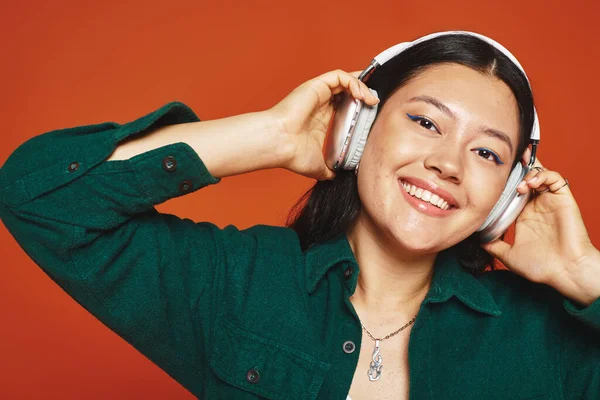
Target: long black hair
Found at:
x=331, y=207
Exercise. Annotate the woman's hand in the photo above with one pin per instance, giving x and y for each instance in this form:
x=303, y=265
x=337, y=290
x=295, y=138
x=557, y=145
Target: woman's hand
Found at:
x=304, y=116
x=551, y=243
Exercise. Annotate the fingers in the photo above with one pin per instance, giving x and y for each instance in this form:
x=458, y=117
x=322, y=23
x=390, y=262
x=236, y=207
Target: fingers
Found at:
x=536, y=168
x=527, y=156
x=498, y=249
x=339, y=81
x=324, y=173
x=327, y=175
x=542, y=180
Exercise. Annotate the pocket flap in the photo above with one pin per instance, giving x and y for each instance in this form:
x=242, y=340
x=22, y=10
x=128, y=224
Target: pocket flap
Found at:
x=265, y=367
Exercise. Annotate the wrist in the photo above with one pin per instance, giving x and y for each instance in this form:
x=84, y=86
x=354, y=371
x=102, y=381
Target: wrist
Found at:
x=235, y=145
x=281, y=143
x=581, y=281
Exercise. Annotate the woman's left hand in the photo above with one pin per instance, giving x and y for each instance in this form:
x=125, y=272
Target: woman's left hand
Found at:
x=551, y=243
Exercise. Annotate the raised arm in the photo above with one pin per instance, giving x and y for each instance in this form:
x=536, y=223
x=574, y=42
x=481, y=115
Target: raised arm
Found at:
x=228, y=146
x=80, y=202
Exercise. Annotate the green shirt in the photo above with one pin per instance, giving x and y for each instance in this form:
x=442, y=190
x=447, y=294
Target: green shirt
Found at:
x=246, y=314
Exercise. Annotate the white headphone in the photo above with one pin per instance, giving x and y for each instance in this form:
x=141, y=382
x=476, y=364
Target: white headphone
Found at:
x=353, y=120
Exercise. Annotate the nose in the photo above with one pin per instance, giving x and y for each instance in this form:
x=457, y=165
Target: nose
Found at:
x=446, y=162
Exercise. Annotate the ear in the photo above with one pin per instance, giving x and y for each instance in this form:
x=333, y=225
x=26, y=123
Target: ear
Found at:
x=526, y=155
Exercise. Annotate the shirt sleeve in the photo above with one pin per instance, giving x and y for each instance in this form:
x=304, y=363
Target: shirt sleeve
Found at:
x=91, y=225
x=589, y=315
x=580, y=351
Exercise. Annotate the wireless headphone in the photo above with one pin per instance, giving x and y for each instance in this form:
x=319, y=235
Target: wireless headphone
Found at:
x=353, y=120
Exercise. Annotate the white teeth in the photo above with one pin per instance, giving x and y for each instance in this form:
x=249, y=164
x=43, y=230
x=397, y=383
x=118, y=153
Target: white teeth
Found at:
x=425, y=195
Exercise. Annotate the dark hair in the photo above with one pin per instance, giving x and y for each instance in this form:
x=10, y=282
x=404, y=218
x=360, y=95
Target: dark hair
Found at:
x=331, y=207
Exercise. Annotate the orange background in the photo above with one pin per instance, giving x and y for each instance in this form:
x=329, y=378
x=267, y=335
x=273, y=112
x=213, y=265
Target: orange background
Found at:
x=69, y=63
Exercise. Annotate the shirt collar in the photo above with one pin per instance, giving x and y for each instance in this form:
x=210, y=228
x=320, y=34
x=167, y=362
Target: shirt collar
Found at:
x=449, y=277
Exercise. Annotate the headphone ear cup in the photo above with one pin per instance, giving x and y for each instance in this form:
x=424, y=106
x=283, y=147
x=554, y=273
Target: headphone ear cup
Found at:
x=361, y=133
x=507, y=208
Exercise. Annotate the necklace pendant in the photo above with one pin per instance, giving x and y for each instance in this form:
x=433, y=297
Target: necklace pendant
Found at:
x=376, y=365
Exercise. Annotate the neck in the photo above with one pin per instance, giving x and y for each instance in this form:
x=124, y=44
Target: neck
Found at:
x=392, y=281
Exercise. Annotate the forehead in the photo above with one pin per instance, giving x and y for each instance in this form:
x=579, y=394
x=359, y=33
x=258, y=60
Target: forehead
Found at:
x=473, y=96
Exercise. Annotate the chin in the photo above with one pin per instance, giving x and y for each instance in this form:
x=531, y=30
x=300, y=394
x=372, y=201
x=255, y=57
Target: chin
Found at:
x=424, y=237
x=417, y=241
x=421, y=244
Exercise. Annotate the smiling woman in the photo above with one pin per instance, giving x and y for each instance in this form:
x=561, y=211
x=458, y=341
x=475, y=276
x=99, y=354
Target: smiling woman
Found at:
x=458, y=84
x=390, y=249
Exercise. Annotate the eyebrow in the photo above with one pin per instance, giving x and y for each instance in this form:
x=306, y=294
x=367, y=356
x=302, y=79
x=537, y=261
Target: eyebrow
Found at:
x=443, y=108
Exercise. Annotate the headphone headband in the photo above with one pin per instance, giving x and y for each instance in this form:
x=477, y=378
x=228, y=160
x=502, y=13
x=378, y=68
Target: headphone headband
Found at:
x=393, y=51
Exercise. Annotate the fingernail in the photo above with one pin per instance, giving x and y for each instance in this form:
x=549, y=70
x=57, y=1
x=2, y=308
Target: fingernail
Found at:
x=521, y=185
x=532, y=179
x=375, y=97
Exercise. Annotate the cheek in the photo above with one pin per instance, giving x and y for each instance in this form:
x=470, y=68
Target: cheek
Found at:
x=371, y=177
x=374, y=178
x=389, y=147
x=485, y=190
x=372, y=161
x=386, y=152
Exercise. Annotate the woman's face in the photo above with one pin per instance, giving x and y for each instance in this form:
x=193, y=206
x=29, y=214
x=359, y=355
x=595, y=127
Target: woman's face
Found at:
x=450, y=133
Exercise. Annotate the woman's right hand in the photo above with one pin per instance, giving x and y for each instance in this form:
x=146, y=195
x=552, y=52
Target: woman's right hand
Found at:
x=304, y=116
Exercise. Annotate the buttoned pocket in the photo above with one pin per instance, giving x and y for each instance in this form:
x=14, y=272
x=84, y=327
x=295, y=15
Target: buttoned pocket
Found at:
x=262, y=367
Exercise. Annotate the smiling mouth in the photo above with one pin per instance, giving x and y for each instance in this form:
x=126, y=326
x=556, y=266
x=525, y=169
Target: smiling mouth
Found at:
x=426, y=196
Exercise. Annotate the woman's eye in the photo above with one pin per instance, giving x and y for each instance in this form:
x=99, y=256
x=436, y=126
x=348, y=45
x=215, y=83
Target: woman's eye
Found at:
x=424, y=122
x=489, y=155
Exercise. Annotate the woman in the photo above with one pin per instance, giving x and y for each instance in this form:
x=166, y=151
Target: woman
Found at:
x=273, y=312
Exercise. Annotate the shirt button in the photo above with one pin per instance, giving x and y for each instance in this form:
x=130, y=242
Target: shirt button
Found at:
x=169, y=164
x=348, y=273
x=252, y=375
x=74, y=166
x=349, y=347
x=185, y=186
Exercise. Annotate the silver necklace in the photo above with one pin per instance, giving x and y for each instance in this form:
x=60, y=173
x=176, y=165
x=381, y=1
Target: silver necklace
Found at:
x=377, y=363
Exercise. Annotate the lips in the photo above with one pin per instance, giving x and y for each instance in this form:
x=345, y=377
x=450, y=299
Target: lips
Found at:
x=433, y=188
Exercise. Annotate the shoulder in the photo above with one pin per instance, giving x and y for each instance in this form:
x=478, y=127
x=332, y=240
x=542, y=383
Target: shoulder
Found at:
x=267, y=239
x=261, y=249
x=535, y=304
x=506, y=286
x=522, y=299
x=236, y=249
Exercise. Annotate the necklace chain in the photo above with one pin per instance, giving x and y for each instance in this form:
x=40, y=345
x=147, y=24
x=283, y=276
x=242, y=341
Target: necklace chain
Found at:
x=376, y=365
x=391, y=334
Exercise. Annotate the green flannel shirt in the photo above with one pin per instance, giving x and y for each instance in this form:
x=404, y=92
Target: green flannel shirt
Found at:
x=246, y=314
